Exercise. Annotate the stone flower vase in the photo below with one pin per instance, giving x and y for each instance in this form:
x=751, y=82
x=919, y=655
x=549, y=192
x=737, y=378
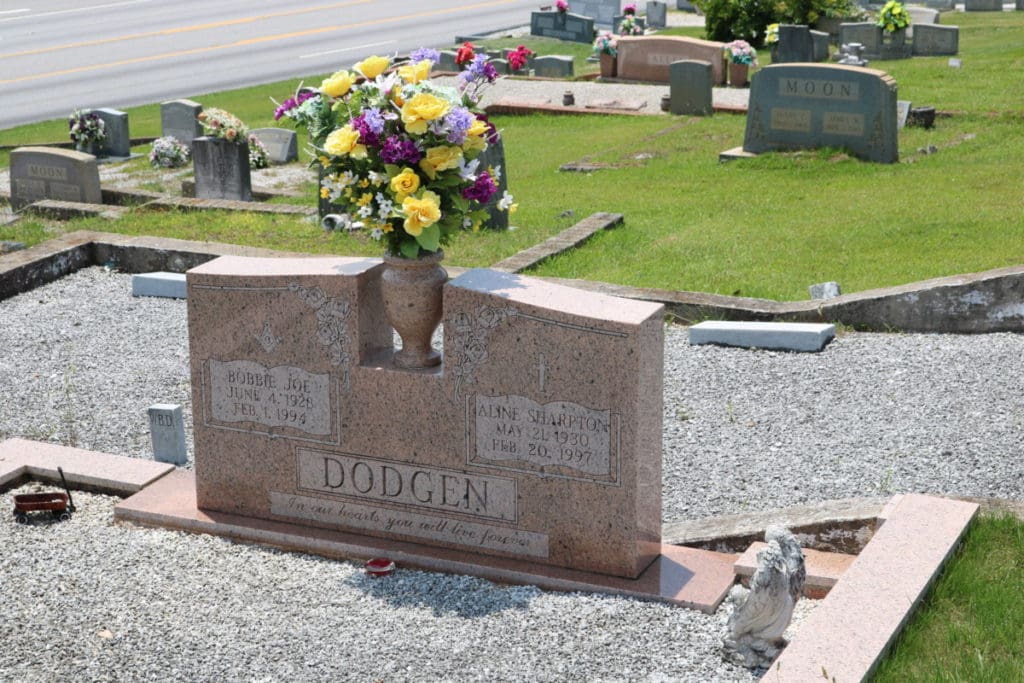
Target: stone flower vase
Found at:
x=738, y=75
x=412, y=291
x=609, y=65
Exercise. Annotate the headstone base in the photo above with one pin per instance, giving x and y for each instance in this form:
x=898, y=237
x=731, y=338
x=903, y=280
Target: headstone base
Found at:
x=688, y=577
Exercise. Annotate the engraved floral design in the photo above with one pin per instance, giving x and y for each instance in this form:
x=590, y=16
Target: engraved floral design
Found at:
x=331, y=323
x=470, y=338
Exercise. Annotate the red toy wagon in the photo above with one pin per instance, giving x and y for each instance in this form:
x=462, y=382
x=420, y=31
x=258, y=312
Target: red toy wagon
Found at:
x=58, y=504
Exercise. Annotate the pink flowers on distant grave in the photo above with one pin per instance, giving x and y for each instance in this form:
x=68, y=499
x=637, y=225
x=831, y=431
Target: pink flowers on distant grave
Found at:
x=561, y=6
x=629, y=9
x=517, y=58
x=740, y=52
x=465, y=54
x=606, y=43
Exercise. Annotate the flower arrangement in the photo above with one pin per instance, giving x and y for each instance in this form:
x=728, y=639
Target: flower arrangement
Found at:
x=740, y=52
x=629, y=9
x=168, y=152
x=465, y=54
x=606, y=43
x=771, y=34
x=258, y=157
x=562, y=6
x=218, y=123
x=400, y=158
x=518, y=58
x=893, y=17
x=629, y=26
x=85, y=127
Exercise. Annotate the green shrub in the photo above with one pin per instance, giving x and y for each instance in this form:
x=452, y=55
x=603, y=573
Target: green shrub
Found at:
x=726, y=20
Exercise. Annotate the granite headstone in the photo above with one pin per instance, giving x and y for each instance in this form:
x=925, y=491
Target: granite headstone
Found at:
x=983, y=5
x=167, y=430
x=178, y=120
x=562, y=26
x=49, y=173
x=282, y=145
x=795, y=44
x=553, y=66
x=690, y=88
x=118, y=142
x=648, y=58
x=934, y=39
x=221, y=169
x=656, y=14
x=601, y=11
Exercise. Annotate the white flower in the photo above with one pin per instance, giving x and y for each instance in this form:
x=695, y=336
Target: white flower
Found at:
x=467, y=169
x=365, y=211
x=385, y=206
x=377, y=234
x=377, y=178
x=506, y=201
x=495, y=172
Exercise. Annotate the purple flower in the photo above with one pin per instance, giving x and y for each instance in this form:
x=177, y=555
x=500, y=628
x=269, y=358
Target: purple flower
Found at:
x=374, y=120
x=396, y=150
x=492, y=130
x=457, y=122
x=425, y=53
x=480, y=69
x=286, y=106
x=366, y=134
x=481, y=190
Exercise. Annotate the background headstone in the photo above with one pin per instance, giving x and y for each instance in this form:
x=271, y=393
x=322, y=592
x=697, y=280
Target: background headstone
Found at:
x=944, y=5
x=221, y=169
x=601, y=11
x=282, y=145
x=656, y=14
x=50, y=173
x=648, y=58
x=825, y=290
x=617, y=23
x=118, y=142
x=178, y=119
x=865, y=33
x=902, y=111
x=795, y=44
x=447, y=62
x=920, y=16
x=819, y=46
x=494, y=157
x=500, y=65
x=983, y=5
x=934, y=39
x=690, y=88
x=168, y=433
x=553, y=66
x=563, y=26
x=686, y=6
x=803, y=106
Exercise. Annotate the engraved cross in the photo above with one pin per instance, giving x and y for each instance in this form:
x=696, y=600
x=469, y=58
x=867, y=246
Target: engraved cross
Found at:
x=541, y=371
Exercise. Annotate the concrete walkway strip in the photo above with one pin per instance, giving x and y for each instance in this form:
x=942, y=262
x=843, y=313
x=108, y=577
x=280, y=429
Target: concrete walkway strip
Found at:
x=846, y=637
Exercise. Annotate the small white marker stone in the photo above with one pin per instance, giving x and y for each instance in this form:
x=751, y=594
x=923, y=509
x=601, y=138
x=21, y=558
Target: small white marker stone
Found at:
x=782, y=336
x=168, y=432
x=168, y=285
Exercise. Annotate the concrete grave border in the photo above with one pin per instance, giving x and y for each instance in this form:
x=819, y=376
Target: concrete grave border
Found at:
x=988, y=301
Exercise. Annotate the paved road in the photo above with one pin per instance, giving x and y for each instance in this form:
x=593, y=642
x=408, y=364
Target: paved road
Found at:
x=62, y=54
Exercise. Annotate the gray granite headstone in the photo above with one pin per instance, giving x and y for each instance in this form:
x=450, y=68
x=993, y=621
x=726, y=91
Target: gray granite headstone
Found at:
x=983, y=5
x=921, y=15
x=657, y=14
x=943, y=5
x=118, y=142
x=686, y=6
x=447, y=62
x=168, y=432
x=500, y=65
x=866, y=33
x=553, y=66
x=803, y=106
x=282, y=145
x=178, y=119
x=819, y=45
x=50, y=173
x=795, y=44
x=563, y=26
x=221, y=169
x=494, y=157
x=690, y=84
x=601, y=11
x=902, y=111
x=1019, y=5
x=933, y=39
x=825, y=290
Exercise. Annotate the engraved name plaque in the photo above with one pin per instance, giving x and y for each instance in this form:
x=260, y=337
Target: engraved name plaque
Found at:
x=283, y=396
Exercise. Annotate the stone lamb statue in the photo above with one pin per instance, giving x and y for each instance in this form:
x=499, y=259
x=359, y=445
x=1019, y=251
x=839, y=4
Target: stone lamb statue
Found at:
x=760, y=616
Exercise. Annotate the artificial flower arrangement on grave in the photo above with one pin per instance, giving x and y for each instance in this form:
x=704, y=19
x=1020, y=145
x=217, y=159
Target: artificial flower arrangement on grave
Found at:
x=465, y=54
x=519, y=57
x=629, y=9
x=168, y=152
x=258, y=157
x=85, y=127
x=562, y=6
x=606, y=44
x=771, y=34
x=401, y=159
x=629, y=26
x=740, y=52
x=218, y=123
x=893, y=17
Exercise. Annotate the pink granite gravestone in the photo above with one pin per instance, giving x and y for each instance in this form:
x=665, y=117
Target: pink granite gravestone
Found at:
x=537, y=439
x=647, y=58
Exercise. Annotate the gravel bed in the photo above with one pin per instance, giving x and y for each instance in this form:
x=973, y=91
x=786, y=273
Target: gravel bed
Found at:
x=743, y=430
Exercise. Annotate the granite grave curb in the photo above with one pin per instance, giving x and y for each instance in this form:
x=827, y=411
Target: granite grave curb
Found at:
x=988, y=301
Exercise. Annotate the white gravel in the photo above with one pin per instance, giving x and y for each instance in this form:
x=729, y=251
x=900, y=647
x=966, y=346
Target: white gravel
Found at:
x=743, y=430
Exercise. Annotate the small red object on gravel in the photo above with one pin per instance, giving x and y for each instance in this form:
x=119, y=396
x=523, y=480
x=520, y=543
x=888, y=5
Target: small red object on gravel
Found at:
x=379, y=566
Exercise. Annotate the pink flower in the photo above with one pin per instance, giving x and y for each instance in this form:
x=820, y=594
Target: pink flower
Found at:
x=561, y=5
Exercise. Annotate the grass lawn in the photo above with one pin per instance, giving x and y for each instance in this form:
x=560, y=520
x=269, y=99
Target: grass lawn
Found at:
x=767, y=227
x=971, y=624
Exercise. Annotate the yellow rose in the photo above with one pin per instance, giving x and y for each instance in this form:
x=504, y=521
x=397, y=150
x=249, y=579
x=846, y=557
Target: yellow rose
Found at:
x=338, y=84
x=414, y=73
x=440, y=159
x=476, y=137
x=420, y=109
x=405, y=183
x=421, y=213
x=374, y=66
